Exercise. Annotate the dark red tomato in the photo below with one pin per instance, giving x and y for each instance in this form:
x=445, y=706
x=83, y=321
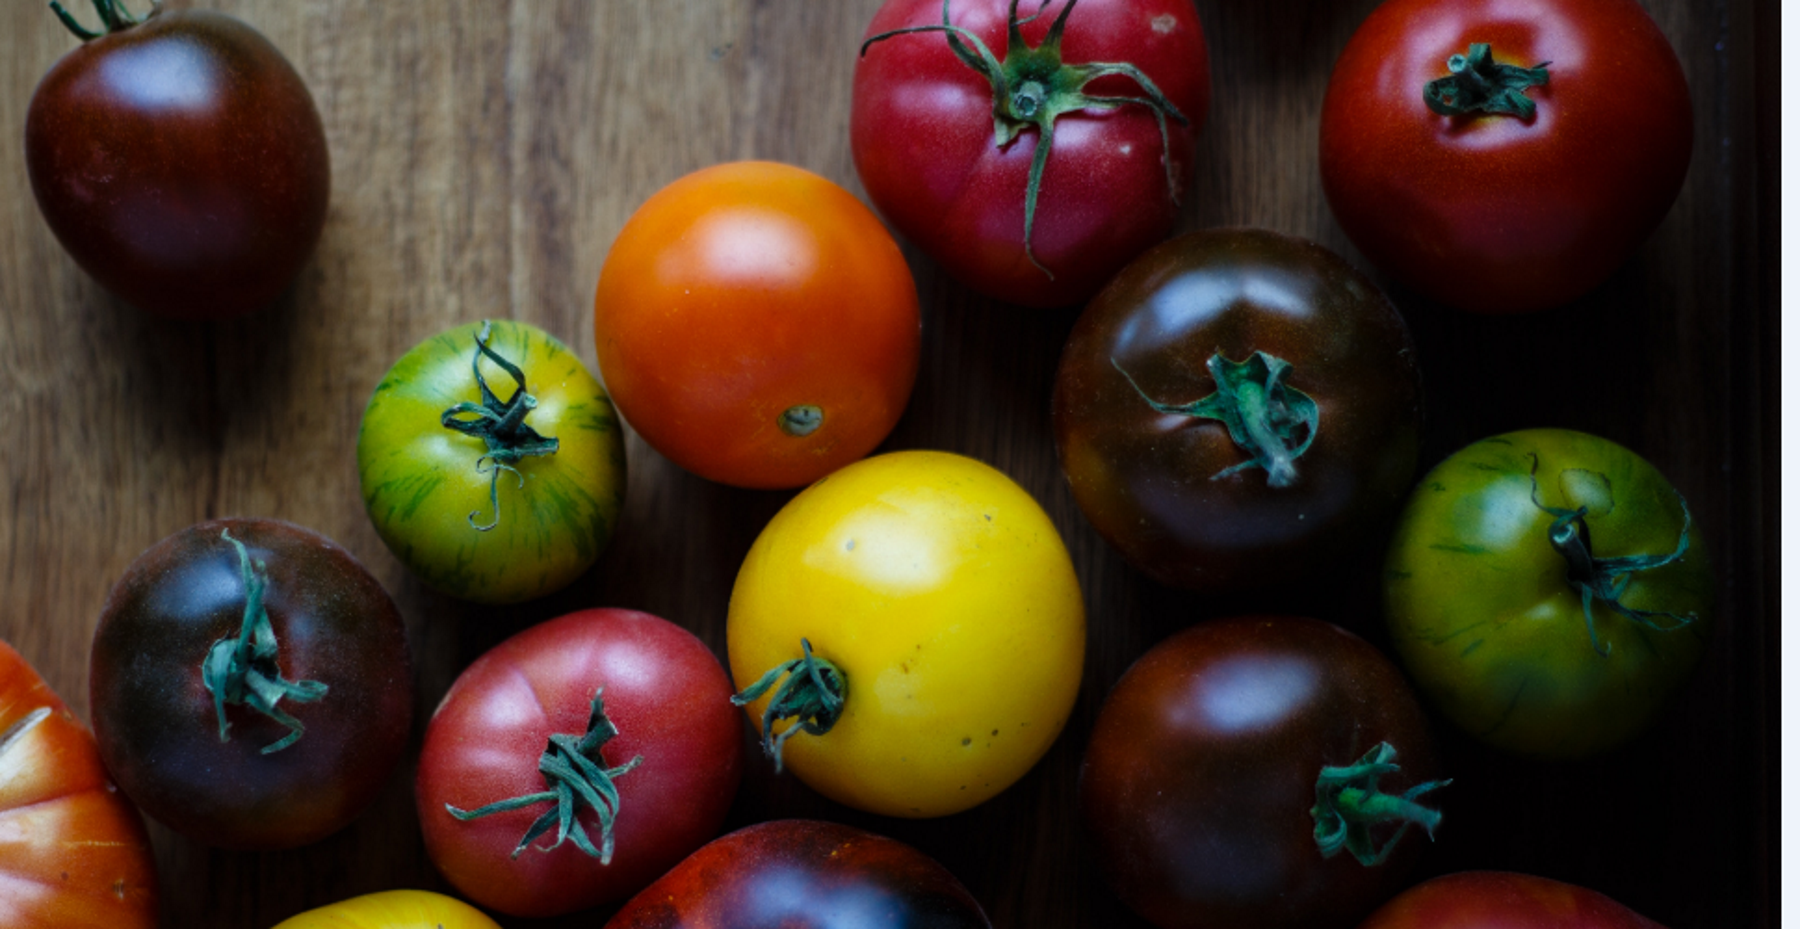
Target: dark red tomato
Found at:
x=180, y=161
x=802, y=874
x=946, y=151
x=1502, y=900
x=1518, y=201
x=250, y=684
x=1232, y=775
x=1314, y=454
x=630, y=706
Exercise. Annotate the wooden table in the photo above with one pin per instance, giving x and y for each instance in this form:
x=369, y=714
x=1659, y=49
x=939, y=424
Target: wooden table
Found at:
x=484, y=154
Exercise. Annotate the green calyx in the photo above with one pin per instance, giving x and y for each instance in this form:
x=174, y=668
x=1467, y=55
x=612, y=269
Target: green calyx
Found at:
x=113, y=15
x=1606, y=579
x=573, y=772
x=501, y=426
x=812, y=695
x=1479, y=84
x=1266, y=418
x=244, y=671
x=1350, y=804
x=1034, y=86
x=801, y=421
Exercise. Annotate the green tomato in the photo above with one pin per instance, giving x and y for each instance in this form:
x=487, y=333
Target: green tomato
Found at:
x=492, y=462
x=1547, y=591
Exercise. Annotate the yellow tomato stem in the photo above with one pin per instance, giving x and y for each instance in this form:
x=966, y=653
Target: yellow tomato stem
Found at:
x=812, y=694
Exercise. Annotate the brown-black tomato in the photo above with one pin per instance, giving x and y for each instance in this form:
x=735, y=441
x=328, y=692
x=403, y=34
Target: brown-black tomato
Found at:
x=1258, y=772
x=250, y=684
x=796, y=872
x=1311, y=456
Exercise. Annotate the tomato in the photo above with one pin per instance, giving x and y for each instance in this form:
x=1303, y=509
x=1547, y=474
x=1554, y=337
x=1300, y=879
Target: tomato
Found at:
x=73, y=852
x=1501, y=900
x=492, y=463
x=1238, y=773
x=794, y=872
x=1173, y=474
x=648, y=708
x=1524, y=206
x=180, y=161
x=945, y=624
x=1022, y=179
x=393, y=909
x=1547, y=591
x=250, y=684
x=757, y=325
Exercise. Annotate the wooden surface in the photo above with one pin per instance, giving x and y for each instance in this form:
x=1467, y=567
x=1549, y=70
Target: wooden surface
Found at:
x=485, y=153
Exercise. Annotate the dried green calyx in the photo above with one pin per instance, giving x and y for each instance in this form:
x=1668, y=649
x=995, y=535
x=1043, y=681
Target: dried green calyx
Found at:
x=1350, y=805
x=244, y=671
x=1479, y=84
x=1265, y=417
x=812, y=695
x=500, y=425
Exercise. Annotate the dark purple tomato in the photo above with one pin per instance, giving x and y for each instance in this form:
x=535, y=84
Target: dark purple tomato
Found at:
x=250, y=684
x=1236, y=409
x=1259, y=772
x=181, y=162
x=803, y=874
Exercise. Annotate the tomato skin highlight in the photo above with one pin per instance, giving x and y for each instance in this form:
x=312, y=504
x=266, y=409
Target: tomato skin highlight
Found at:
x=743, y=291
x=670, y=700
x=181, y=163
x=392, y=909
x=1503, y=900
x=1491, y=213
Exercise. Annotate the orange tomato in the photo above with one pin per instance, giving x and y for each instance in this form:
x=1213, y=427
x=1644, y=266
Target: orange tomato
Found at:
x=757, y=325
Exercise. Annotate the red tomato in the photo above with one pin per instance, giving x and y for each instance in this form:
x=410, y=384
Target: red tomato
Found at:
x=946, y=152
x=73, y=852
x=678, y=737
x=1500, y=213
x=757, y=325
x=1501, y=900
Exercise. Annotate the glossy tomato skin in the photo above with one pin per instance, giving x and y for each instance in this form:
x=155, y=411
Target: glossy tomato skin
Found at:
x=1481, y=611
x=922, y=135
x=1150, y=482
x=73, y=851
x=1503, y=900
x=802, y=874
x=1197, y=784
x=155, y=720
x=1493, y=213
x=182, y=164
x=746, y=290
x=671, y=702
x=427, y=487
x=393, y=909
x=943, y=593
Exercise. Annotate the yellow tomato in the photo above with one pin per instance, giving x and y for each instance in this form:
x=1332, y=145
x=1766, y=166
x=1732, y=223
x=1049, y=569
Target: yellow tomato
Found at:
x=393, y=909
x=942, y=593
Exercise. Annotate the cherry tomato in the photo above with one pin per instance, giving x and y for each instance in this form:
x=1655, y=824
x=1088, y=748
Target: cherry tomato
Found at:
x=73, y=851
x=1002, y=162
x=794, y=872
x=180, y=161
x=393, y=909
x=250, y=684
x=1258, y=772
x=757, y=325
x=1501, y=900
x=1238, y=409
x=1519, y=200
x=630, y=706
x=938, y=607
x=1548, y=592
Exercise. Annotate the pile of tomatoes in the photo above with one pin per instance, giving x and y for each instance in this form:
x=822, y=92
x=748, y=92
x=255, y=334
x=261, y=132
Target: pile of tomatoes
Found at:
x=1237, y=412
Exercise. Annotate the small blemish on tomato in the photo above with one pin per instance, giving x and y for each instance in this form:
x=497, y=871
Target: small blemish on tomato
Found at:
x=849, y=545
x=1164, y=24
x=967, y=741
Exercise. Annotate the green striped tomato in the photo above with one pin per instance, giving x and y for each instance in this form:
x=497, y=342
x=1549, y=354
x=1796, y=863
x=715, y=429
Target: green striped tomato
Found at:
x=492, y=466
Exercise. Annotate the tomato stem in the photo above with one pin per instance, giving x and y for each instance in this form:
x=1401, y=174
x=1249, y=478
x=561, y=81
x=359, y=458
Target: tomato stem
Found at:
x=801, y=420
x=1270, y=420
x=1033, y=87
x=1479, y=84
x=245, y=671
x=812, y=696
x=1349, y=803
x=113, y=15
x=571, y=766
x=501, y=426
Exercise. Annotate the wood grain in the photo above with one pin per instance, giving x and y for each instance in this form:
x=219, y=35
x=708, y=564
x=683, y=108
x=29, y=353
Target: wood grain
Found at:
x=485, y=153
